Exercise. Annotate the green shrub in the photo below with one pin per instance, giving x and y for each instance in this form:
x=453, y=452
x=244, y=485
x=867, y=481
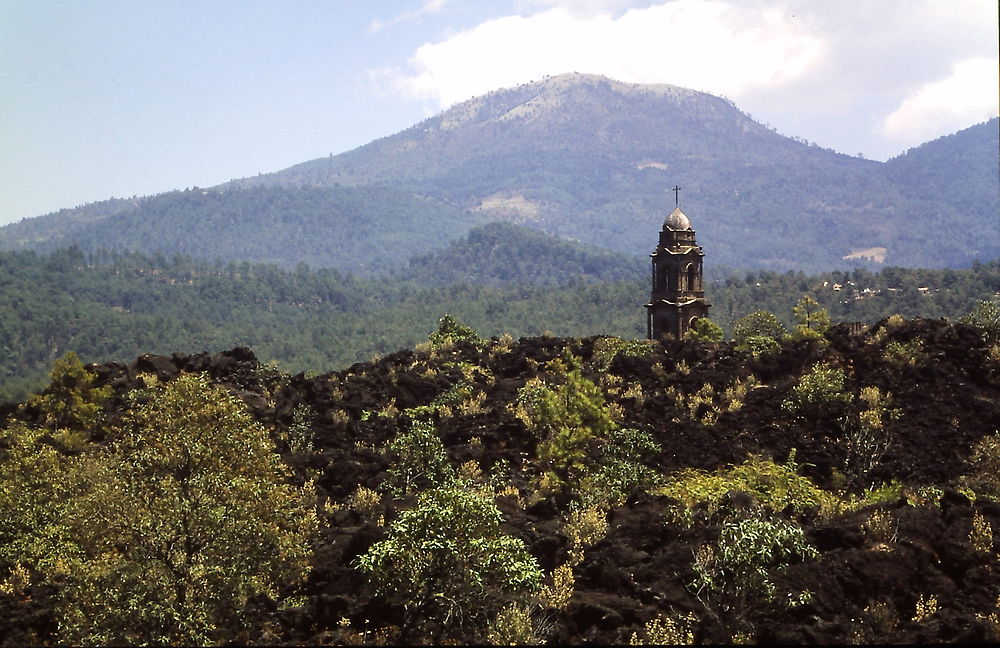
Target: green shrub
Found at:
x=819, y=395
x=619, y=471
x=985, y=317
x=738, y=567
x=615, y=479
x=704, y=330
x=572, y=419
x=71, y=401
x=630, y=444
x=450, y=564
x=298, y=436
x=868, y=438
x=455, y=394
x=760, y=345
x=513, y=626
x=667, y=630
x=450, y=330
x=773, y=485
x=750, y=332
x=586, y=524
x=983, y=475
x=420, y=460
x=607, y=348
x=907, y=354
x=812, y=320
x=38, y=486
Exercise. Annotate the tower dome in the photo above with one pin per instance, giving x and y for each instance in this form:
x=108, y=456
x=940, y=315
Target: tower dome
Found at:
x=677, y=220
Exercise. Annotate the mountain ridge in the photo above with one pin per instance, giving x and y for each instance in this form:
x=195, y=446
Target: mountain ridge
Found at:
x=587, y=158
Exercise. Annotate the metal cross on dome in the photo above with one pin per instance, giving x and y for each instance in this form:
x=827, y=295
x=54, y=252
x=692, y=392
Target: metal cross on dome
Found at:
x=677, y=197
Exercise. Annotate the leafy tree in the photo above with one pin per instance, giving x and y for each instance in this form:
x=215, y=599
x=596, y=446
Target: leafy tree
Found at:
x=71, y=401
x=420, y=460
x=986, y=317
x=757, y=332
x=619, y=470
x=36, y=491
x=812, y=320
x=705, y=330
x=573, y=418
x=451, y=564
x=450, y=330
x=185, y=517
x=819, y=395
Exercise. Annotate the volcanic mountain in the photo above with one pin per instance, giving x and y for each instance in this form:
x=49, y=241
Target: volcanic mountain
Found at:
x=586, y=158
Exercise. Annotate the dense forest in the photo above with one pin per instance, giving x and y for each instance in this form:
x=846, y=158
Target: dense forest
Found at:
x=358, y=229
x=113, y=306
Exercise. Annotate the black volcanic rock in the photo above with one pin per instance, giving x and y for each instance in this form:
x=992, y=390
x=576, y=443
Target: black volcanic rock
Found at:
x=642, y=568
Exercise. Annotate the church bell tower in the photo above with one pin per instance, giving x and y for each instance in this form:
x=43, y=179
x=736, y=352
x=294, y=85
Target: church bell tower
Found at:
x=678, y=295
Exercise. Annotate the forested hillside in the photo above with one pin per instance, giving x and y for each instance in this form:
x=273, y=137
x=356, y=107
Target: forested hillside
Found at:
x=951, y=169
x=360, y=229
x=113, y=306
x=502, y=253
x=589, y=159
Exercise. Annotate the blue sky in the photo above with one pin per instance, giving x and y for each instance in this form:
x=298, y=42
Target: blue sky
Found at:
x=121, y=98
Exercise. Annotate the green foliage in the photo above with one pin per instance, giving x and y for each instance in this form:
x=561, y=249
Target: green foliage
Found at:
x=451, y=565
x=496, y=254
x=819, y=395
x=355, y=229
x=619, y=470
x=986, y=317
x=772, y=485
x=811, y=319
x=705, y=330
x=906, y=354
x=757, y=332
x=613, y=480
x=885, y=493
x=37, y=488
x=630, y=444
x=420, y=460
x=71, y=401
x=606, y=349
x=455, y=395
x=868, y=439
x=739, y=567
x=450, y=330
x=113, y=306
x=761, y=345
x=667, y=630
x=983, y=475
x=572, y=419
x=513, y=626
x=183, y=518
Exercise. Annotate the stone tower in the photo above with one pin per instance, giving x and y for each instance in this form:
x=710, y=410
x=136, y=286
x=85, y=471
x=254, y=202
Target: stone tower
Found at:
x=678, y=296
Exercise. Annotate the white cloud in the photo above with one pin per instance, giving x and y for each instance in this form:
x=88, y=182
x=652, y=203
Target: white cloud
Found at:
x=854, y=75
x=708, y=45
x=967, y=95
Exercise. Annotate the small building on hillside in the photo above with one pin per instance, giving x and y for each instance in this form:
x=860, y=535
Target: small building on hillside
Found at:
x=678, y=294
